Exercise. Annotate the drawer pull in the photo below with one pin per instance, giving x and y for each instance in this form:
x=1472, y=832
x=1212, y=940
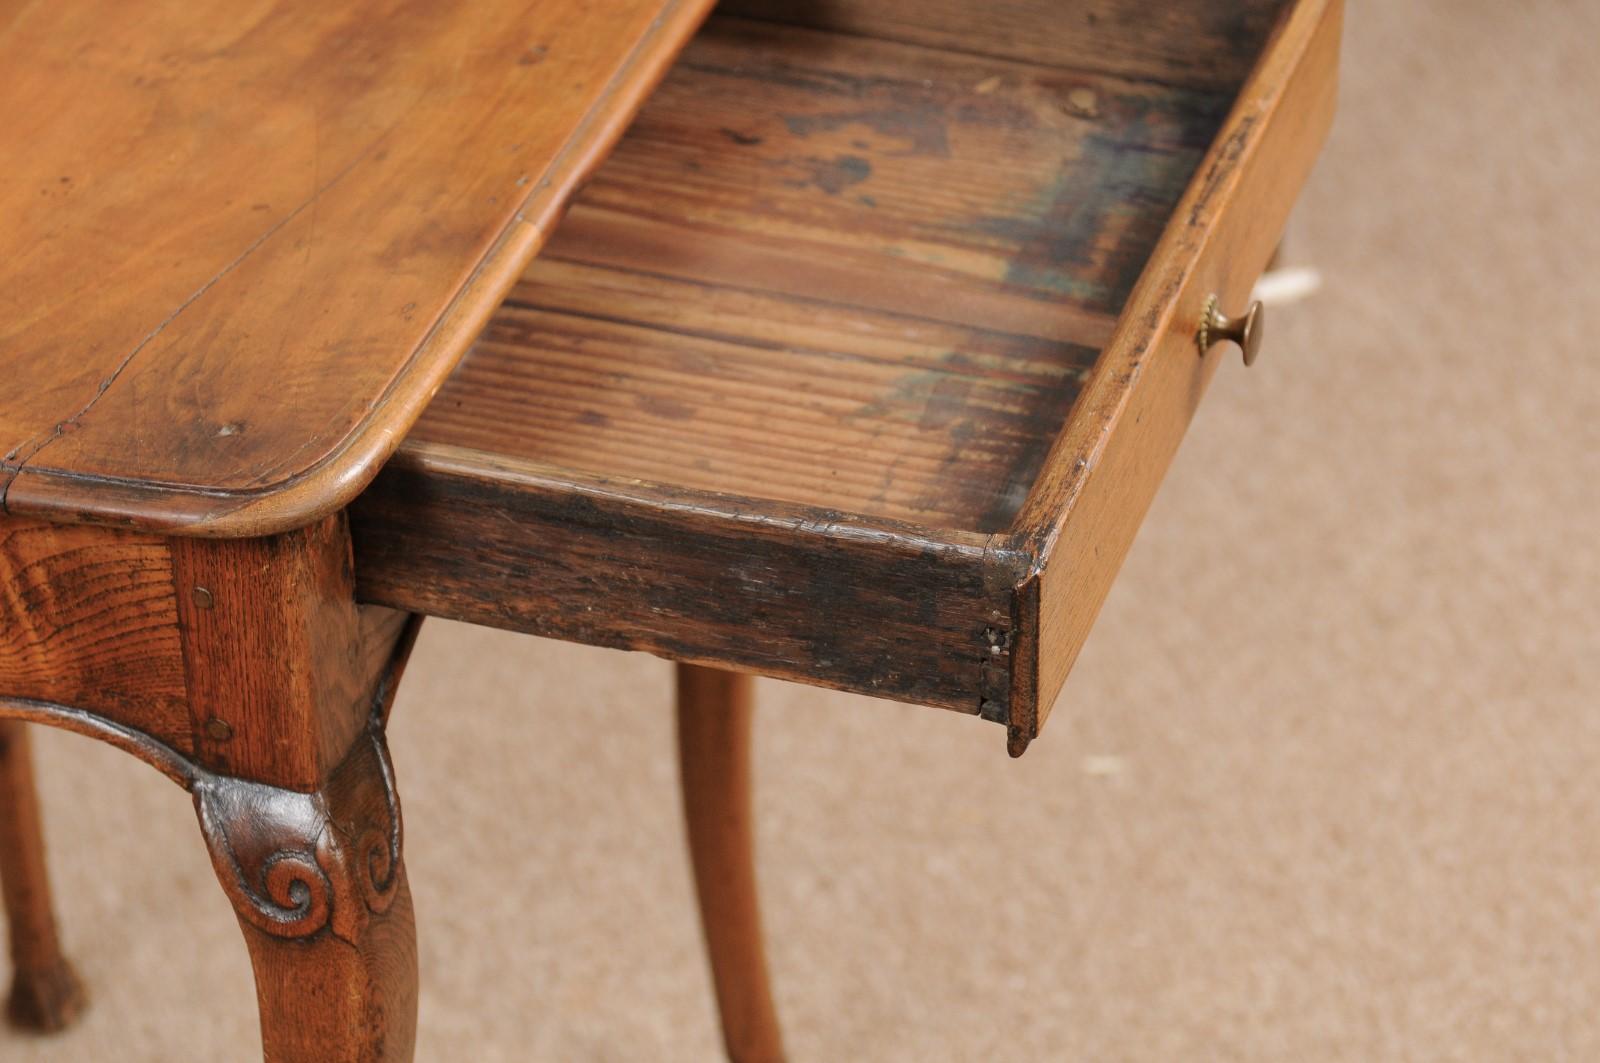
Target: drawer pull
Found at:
x=1245, y=330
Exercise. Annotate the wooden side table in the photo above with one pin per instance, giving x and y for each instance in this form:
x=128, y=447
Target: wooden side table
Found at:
x=857, y=363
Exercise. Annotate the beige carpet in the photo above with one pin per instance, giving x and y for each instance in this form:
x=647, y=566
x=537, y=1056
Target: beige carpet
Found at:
x=1325, y=784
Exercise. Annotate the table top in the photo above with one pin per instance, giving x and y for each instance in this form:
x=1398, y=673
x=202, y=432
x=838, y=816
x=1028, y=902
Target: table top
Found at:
x=242, y=245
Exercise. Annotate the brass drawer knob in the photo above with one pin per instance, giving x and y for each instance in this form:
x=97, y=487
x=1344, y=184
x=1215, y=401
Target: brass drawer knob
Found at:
x=1245, y=330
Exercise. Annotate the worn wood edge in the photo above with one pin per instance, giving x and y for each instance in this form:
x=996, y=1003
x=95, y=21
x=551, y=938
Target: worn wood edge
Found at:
x=1156, y=308
x=400, y=656
x=384, y=577
x=330, y=483
x=1022, y=706
x=446, y=459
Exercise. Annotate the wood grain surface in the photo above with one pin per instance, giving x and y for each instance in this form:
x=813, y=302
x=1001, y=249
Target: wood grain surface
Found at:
x=1103, y=471
x=283, y=683
x=861, y=359
x=88, y=619
x=241, y=247
x=280, y=662
x=1201, y=43
x=834, y=271
x=259, y=641
x=805, y=594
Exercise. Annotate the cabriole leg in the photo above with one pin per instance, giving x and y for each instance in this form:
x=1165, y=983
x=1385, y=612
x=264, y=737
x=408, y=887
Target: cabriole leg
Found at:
x=245, y=671
x=45, y=991
x=714, y=759
x=288, y=688
x=319, y=887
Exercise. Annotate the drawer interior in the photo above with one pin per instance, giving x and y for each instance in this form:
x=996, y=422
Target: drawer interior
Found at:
x=838, y=270
x=859, y=359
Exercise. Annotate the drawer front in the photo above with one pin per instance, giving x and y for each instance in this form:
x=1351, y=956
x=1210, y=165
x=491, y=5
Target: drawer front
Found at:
x=1103, y=471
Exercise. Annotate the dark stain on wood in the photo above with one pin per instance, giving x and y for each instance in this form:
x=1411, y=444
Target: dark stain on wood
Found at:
x=921, y=129
x=838, y=173
x=759, y=409
x=800, y=593
x=717, y=312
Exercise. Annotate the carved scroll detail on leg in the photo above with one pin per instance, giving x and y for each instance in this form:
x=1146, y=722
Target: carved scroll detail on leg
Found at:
x=297, y=864
x=282, y=890
x=284, y=858
x=379, y=844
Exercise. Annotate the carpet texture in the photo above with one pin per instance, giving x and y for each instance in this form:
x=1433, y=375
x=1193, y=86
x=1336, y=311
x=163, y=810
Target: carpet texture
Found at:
x=1324, y=785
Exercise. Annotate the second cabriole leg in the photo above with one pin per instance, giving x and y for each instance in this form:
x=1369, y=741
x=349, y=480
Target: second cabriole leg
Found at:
x=714, y=761
x=45, y=991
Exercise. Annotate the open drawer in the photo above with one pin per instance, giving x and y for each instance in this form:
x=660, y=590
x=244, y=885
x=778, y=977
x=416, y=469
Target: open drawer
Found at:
x=859, y=361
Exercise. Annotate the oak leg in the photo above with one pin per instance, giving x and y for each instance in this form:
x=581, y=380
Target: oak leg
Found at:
x=320, y=890
x=45, y=991
x=286, y=682
x=714, y=761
